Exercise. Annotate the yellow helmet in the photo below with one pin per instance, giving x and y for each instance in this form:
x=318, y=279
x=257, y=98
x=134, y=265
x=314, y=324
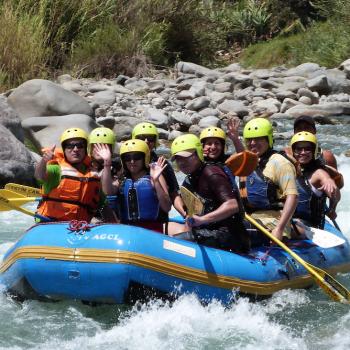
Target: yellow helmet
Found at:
x=305, y=136
x=185, y=143
x=145, y=129
x=135, y=146
x=73, y=133
x=258, y=127
x=212, y=131
x=102, y=135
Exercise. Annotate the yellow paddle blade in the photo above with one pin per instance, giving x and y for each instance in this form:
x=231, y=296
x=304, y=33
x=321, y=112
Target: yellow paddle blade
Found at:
x=24, y=190
x=193, y=203
x=12, y=201
x=6, y=204
x=333, y=288
x=243, y=163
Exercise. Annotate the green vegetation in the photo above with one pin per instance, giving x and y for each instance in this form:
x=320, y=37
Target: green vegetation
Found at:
x=103, y=38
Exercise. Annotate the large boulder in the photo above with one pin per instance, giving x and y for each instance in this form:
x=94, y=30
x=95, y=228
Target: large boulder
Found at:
x=16, y=161
x=46, y=131
x=39, y=97
x=324, y=109
x=9, y=119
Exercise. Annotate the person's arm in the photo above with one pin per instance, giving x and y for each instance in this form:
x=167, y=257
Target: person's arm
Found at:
x=323, y=182
x=108, y=186
x=40, y=172
x=226, y=210
x=179, y=205
x=286, y=215
x=329, y=158
x=233, y=134
x=159, y=184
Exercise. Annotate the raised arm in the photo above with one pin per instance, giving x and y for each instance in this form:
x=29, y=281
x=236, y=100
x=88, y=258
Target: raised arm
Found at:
x=40, y=169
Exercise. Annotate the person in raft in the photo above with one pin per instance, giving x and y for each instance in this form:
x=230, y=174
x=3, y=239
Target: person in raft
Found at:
x=326, y=157
x=270, y=193
x=314, y=183
x=149, y=133
x=100, y=145
x=71, y=188
x=143, y=191
x=221, y=223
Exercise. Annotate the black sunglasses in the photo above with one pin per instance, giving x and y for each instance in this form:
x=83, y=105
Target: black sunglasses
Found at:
x=133, y=156
x=149, y=138
x=72, y=145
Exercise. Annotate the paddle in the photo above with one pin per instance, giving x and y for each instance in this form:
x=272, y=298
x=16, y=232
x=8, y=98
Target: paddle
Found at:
x=16, y=198
x=243, y=163
x=333, y=288
x=24, y=190
x=193, y=203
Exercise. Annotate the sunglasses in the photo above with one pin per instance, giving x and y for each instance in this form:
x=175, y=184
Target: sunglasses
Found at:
x=72, y=145
x=306, y=149
x=149, y=138
x=133, y=156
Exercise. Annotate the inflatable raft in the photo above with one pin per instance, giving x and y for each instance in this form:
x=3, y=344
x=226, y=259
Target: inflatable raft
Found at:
x=113, y=263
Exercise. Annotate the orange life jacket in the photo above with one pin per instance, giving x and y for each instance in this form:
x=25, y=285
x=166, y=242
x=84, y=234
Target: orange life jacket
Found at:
x=77, y=195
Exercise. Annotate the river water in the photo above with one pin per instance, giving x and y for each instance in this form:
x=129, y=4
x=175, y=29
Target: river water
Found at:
x=298, y=319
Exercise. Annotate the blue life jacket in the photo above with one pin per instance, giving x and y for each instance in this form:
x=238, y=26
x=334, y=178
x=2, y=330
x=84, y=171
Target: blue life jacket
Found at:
x=139, y=200
x=258, y=192
x=310, y=207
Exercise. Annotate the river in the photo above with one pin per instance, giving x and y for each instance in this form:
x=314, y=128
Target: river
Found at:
x=298, y=319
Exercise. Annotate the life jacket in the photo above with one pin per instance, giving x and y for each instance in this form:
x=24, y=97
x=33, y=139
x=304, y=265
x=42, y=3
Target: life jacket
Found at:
x=258, y=192
x=77, y=195
x=139, y=201
x=310, y=207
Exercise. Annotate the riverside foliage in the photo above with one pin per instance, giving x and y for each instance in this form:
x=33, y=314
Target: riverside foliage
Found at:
x=43, y=38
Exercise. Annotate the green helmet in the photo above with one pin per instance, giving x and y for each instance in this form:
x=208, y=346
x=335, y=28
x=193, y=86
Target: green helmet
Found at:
x=185, y=143
x=145, y=129
x=102, y=135
x=258, y=127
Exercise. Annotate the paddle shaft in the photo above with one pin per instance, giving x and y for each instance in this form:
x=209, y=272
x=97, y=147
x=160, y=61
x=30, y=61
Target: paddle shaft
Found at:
x=333, y=288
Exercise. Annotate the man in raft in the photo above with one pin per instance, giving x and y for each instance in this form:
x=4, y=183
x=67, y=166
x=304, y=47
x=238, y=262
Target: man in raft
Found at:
x=71, y=189
x=220, y=225
x=269, y=193
x=314, y=183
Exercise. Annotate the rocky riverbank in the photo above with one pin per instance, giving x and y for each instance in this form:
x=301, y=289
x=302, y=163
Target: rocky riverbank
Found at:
x=189, y=99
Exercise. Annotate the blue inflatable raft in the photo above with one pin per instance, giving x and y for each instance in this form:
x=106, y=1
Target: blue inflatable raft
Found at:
x=113, y=263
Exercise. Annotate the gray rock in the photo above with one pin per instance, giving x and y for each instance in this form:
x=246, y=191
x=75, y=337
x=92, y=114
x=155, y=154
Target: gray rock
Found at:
x=156, y=85
x=306, y=70
x=73, y=86
x=119, y=89
x=194, y=129
x=180, y=118
x=173, y=134
x=198, y=103
x=16, y=161
x=319, y=84
x=209, y=121
x=38, y=97
x=287, y=104
x=234, y=106
x=223, y=87
x=306, y=92
x=123, y=127
x=325, y=109
x=197, y=70
x=46, y=131
x=269, y=106
x=306, y=100
x=281, y=95
x=186, y=95
x=163, y=134
x=98, y=87
x=104, y=98
x=206, y=112
x=158, y=102
x=238, y=80
x=219, y=97
x=345, y=66
x=268, y=84
x=10, y=120
x=338, y=81
x=156, y=117
x=107, y=122
x=136, y=85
